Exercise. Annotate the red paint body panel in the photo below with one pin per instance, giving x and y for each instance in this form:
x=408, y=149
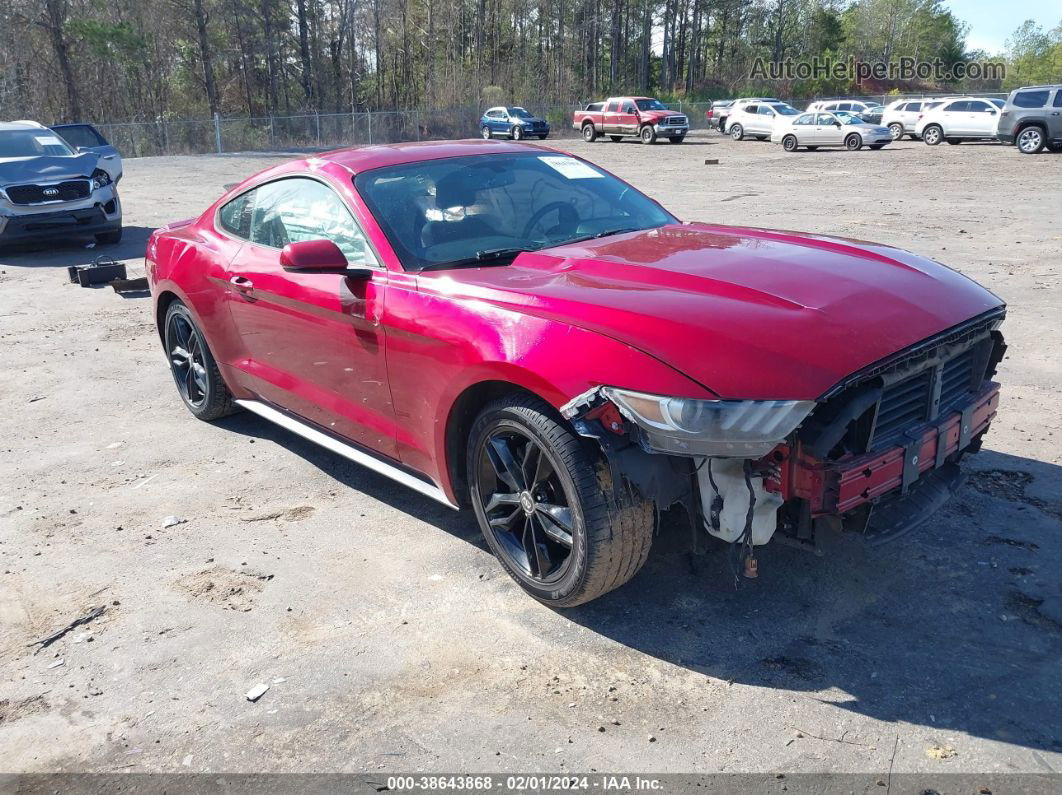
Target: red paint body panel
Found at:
x=687, y=310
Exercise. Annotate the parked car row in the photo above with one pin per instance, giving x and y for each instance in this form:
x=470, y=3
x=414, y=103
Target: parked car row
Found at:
x=1030, y=118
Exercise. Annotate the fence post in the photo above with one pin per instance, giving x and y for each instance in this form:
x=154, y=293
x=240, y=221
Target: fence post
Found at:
x=368, y=116
x=416, y=122
x=217, y=131
x=272, y=138
x=317, y=116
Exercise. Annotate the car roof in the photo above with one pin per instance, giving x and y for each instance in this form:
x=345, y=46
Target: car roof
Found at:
x=20, y=125
x=366, y=158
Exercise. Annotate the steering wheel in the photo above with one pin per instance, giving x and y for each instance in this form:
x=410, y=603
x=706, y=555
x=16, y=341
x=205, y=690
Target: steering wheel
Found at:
x=564, y=210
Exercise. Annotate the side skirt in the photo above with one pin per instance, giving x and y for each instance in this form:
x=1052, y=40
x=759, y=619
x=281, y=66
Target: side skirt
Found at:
x=346, y=450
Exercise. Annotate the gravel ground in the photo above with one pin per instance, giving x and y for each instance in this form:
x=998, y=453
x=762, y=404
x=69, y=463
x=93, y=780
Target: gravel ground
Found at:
x=391, y=640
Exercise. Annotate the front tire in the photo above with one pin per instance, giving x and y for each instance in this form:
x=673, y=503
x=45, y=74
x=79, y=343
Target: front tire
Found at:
x=547, y=508
x=789, y=143
x=647, y=134
x=589, y=133
x=853, y=143
x=484, y=132
x=932, y=135
x=737, y=132
x=1030, y=141
x=195, y=372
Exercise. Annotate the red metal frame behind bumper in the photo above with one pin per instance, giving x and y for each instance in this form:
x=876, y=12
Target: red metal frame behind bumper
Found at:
x=838, y=487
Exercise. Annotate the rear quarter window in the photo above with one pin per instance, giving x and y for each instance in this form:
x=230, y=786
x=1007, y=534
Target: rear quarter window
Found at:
x=235, y=216
x=1031, y=99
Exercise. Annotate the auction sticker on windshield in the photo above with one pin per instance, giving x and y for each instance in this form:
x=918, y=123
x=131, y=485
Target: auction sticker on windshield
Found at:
x=570, y=167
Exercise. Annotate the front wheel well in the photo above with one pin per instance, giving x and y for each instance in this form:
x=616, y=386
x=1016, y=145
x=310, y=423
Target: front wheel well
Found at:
x=463, y=413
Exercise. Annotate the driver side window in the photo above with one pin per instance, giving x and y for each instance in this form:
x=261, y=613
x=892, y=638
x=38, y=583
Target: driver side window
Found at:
x=297, y=209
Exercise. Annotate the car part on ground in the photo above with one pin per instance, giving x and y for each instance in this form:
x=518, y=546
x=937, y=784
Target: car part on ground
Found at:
x=568, y=428
x=1031, y=119
x=49, y=191
x=103, y=270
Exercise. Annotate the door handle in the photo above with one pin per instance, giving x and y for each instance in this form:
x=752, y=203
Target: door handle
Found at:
x=108, y=157
x=245, y=287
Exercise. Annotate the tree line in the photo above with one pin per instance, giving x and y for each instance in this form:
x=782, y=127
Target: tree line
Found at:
x=132, y=60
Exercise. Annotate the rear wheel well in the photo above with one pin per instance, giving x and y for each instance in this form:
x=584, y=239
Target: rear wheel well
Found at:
x=163, y=304
x=459, y=424
x=1031, y=123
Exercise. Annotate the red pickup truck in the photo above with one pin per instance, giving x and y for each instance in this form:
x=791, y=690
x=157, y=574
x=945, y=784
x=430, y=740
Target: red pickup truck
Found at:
x=644, y=117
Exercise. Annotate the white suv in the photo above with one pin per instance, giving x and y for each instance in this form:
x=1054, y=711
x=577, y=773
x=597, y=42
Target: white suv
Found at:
x=902, y=115
x=958, y=120
x=757, y=118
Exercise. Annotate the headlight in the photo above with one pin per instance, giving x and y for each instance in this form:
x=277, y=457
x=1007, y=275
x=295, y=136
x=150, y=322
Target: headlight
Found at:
x=726, y=428
x=100, y=178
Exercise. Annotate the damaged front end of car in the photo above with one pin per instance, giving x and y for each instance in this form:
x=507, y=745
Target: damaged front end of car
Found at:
x=877, y=454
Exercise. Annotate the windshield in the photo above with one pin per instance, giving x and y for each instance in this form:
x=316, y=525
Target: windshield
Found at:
x=785, y=110
x=848, y=117
x=486, y=209
x=31, y=143
x=650, y=104
x=999, y=103
x=520, y=113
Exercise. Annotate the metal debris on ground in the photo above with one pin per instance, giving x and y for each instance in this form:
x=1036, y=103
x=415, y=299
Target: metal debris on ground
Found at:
x=138, y=285
x=257, y=692
x=91, y=615
x=103, y=269
x=172, y=521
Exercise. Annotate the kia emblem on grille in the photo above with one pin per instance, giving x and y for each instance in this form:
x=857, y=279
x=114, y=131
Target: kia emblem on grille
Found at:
x=51, y=192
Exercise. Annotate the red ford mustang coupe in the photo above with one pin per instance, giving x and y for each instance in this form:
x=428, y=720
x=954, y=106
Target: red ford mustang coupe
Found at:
x=510, y=328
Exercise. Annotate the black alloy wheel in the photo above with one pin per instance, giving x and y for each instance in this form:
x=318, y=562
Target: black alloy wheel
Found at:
x=194, y=370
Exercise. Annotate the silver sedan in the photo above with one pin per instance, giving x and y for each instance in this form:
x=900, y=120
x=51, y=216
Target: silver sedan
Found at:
x=830, y=129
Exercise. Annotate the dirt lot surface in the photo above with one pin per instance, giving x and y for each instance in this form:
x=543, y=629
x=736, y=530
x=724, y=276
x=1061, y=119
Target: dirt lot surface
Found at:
x=391, y=640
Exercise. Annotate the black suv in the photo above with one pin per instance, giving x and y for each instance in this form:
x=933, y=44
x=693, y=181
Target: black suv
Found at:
x=1032, y=119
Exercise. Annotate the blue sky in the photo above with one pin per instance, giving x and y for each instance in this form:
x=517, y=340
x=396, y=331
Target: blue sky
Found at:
x=992, y=21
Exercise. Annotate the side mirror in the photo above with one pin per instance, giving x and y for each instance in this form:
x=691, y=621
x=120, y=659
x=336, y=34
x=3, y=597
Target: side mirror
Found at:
x=319, y=256
x=836, y=124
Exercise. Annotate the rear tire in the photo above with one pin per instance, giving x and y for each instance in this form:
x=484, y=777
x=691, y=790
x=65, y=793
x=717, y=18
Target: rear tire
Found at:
x=932, y=135
x=853, y=143
x=789, y=143
x=896, y=130
x=589, y=133
x=551, y=474
x=1030, y=141
x=516, y=133
x=737, y=132
x=194, y=369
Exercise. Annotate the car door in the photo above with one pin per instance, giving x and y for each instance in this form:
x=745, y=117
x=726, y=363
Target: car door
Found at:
x=982, y=118
x=610, y=118
x=312, y=342
x=827, y=130
x=87, y=138
x=765, y=118
x=909, y=115
x=628, y=118
x=804, y=129
x=1054, y=116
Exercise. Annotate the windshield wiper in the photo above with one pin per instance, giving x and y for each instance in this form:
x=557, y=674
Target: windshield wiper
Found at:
x=597, y=235
x=485, y=256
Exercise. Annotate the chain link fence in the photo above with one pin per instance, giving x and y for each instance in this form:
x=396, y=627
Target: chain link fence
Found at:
x=323, y=131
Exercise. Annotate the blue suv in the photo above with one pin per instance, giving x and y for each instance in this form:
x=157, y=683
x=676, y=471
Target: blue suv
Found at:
x=512, y=122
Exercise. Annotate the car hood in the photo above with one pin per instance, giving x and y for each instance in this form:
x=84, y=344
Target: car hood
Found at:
x=46, y=168
x=747, y=313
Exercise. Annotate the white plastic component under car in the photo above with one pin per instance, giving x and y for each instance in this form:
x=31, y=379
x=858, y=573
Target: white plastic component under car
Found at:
x=729, y=477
